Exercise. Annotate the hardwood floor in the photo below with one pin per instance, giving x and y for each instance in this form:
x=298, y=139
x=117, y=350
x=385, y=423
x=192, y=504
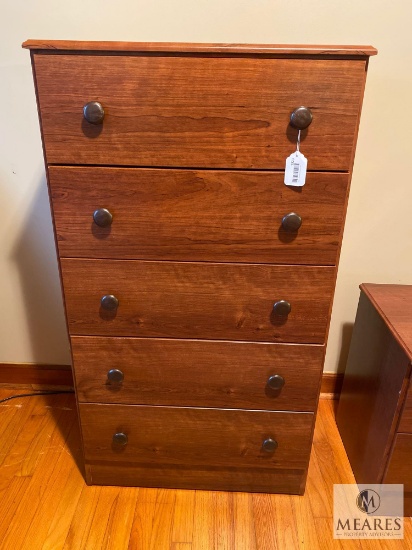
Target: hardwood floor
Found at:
x=45, y=503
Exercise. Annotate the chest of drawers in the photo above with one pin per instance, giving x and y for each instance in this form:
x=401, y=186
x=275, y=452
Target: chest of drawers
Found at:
x=198, y=287
x=377, y=393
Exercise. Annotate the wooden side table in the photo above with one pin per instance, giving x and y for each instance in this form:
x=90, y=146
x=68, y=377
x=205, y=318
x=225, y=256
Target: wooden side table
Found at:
x=375, y=409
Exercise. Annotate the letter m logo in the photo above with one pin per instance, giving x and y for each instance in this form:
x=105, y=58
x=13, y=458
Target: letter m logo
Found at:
x=368, y=501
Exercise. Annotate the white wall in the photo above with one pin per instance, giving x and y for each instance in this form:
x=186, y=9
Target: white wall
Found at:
x=378, y=233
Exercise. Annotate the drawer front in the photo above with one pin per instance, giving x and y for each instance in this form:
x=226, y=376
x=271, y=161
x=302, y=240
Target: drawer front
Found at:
x=196, y=437
x=197, y=111
x=405, y=424
x=197, y=300
x=197, y=215
x=192, y=373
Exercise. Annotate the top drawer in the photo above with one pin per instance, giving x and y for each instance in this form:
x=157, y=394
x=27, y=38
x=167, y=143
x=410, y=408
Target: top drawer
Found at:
x=198, y=112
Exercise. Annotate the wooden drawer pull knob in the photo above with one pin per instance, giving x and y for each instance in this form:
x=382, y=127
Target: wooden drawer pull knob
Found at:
x=276, y=382
x=282, y=308
x=269, y=445
x=301, y=118
x=109, y=302
x=115, y=376
x=102, y=217
x=291, y=222
x=120, y=439
x=93, y=112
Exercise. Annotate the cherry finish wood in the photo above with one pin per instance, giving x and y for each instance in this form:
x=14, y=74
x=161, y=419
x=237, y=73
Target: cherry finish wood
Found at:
x=375, y=395
x=197, y=215
x=374, y=375
x=61, y=375
x=197, y=300
x=176, y=48
x=195, y=436
x=188, y=442
x=191, y=373
x=399, y=468
x=198, y=112
x=405, y=424
x=203, y=477
x=394, y=304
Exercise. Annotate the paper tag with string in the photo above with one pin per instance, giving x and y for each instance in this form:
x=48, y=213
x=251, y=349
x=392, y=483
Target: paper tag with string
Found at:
x=296, y=166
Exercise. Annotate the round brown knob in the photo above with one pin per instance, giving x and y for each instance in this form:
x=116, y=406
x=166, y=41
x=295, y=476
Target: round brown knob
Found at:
x=115, y=376
x=102, y=217
x=269, y=445
x=276, y=382
x=291, y=222
x=282, y=308
x=109, y=302
x=301, y=118
x=93, y=112
x=120, y=439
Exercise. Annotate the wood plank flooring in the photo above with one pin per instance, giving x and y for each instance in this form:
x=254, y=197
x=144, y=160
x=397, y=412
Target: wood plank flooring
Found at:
x=45, y=504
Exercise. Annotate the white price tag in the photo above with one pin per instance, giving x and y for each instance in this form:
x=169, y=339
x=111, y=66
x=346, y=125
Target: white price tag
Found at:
x=295, y=169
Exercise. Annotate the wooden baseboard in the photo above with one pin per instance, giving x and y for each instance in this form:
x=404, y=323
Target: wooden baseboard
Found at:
x=35, y=375
x=45, y=376
x=331, y=385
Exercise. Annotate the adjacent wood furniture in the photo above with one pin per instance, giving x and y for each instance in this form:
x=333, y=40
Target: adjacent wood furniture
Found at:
x=198, y=287
x=375, y=408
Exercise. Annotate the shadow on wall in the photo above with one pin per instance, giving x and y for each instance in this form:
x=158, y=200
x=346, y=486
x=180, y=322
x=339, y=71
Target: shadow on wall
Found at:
x=36, y=260
x=35, y=256
x=347, y=329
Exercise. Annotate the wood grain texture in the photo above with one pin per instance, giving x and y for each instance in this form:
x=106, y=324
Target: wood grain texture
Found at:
x=405, y=424
x=194, y=447
x=183, y=516
x=193, y=520
x=10, y=433
x=211, y=48
x=42, y=439
x=399, y=468
x=197, y=215
x=103, y=519
x=331, y=385
x=197, y=373
x=61, y=490
x=197, y=300
x=234, y=114
x=198, y=258
x=394, y=304
x=372, y=394
x=207, y=478
x=35, y=374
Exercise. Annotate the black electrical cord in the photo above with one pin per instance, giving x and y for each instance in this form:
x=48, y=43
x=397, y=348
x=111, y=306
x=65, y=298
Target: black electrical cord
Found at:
x=51, y=392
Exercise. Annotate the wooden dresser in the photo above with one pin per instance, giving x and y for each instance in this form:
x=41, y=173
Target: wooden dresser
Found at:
x=375, y=408
x=198, y=287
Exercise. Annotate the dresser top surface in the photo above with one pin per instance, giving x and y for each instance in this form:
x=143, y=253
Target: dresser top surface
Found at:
x=199, y=48
x=394, y=304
